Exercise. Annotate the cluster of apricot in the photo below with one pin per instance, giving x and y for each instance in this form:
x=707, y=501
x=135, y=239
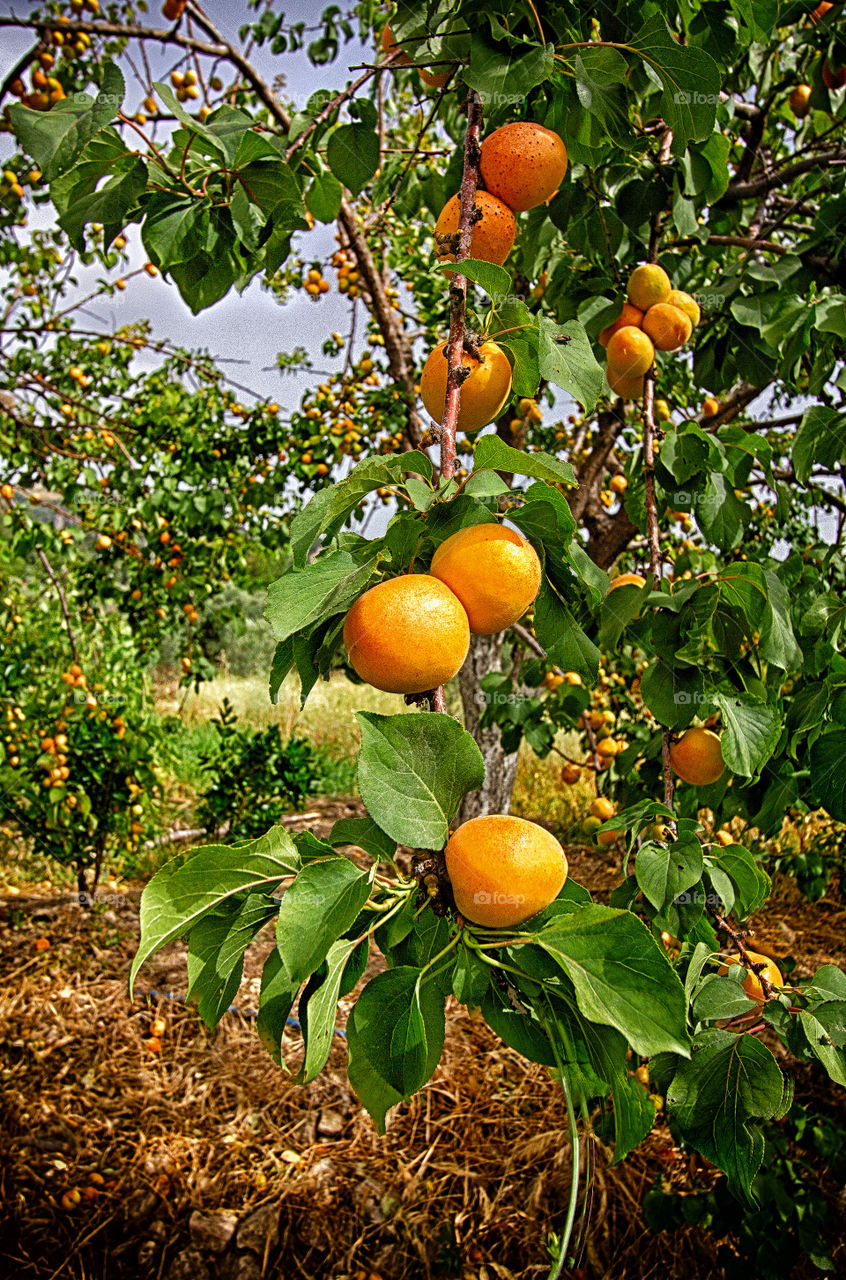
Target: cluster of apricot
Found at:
x=655, y=317
x=15, y=734
x=349, y=280
x=315, y=284
x=522, y=165
x=44, y=92
x=185, y=84
x=411, y=634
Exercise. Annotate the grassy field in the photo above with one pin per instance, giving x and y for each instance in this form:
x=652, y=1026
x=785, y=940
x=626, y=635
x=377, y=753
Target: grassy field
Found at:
x=328, y=721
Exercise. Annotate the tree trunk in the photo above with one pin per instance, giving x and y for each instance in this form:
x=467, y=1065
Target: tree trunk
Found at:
x=485, y=655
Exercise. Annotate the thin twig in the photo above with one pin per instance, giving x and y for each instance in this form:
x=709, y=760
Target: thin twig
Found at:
x=39, y=551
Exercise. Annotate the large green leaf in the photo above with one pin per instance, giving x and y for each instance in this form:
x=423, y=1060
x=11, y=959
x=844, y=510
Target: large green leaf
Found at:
x=413, y=771
x=186, y=889
x=495, y=280
x=330, y=507
x=820, y=441
x=365, y=834
x=730, y=1082
x=492, y=452
x=621, y=976
x=55, y=138
x=321, y=904
x=501, y=74
x=371, y=1089
x=303, y=597
x=109, y=204
x=352, y=154
x=399, y=1026
x=751, y=731
x=690, y=78
x=173, y=229
x=322, y=1010
x=276, y=1000
x=664, y=871
x=751, y=883
x=565, y=357
x=216, y=947
x=828, y=774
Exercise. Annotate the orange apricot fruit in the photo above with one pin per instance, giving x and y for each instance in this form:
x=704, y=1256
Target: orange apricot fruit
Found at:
x=483, y=393
x=571, y=773
x=503, y=870
x=523, y=164
x=630, y=388
x=667, y=326
x=602, y=808
x=686, y=303
x=710, y=406
x=407, y=634
x=648, y=285
x=627, y=580
x=494, y=571
x=752, y=983
x=833, y=77
x=629, y=315
x=389, y=47
x=630, y=352
x=697, y=757
x=434, y=79
x=799, y=101
x=492, y=237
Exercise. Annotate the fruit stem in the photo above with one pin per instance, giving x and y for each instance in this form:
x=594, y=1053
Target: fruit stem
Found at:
x=564, y=1245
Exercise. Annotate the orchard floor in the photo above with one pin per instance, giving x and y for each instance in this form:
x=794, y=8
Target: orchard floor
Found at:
x=206, y=1161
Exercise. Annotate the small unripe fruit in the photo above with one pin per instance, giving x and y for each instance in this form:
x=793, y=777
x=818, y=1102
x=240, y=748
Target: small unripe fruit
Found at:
x=503, y=870
x=710, y=406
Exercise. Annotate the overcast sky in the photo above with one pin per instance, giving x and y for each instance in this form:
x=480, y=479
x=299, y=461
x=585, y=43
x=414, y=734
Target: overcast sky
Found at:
x=251, y=328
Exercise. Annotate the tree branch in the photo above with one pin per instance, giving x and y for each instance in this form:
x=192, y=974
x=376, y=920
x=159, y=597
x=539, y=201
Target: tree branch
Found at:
x=39, y=551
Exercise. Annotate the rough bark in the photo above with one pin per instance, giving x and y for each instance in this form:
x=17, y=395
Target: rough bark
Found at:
x=500, y=769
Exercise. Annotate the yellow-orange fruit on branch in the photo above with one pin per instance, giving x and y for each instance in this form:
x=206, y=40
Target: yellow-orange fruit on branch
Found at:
x=697, y=757
x=407, y=635
x=629, y=315
x=630, y=352
x=752, y=984
x=492, y=236
x=494, y=571
x=686, y=303
x=504, y=870
x=630, y=388
x=389, y=46
x=648, y=285
x=523, y=164
x=668, y=326
x=483, y=393
x=626, y=580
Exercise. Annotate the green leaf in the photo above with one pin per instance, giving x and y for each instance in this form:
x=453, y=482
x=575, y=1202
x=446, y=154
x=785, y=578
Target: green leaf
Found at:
x=820, y=441
x=371, y=1089
x=751, y=883
x=399, y=1025
x=565, y=357
x=321, y=904
x=565, y=642
x=330, y=507
x=352, y=154
x=170, y=230
x=664, y=871
x=720, y=998
x=271, y=185
x=721, y=515
x=323, y=198
x=471, y=977
x=192, y=123
x=109, y=204
x=495, y=281
x=319, y=1027
x=486, y=484
x=216, y=947
x=730, y=1082
x=55, y=138
x=276, y=1001
x=500, y=74
x=621, y=976
x=283, y=661
x=672, y=694
x=828, y=776
x=492, y=452
x=413, y=771
x=364, y=834
x=751, y=732
x=303, y=597
x=186, y=889
x=690, y=78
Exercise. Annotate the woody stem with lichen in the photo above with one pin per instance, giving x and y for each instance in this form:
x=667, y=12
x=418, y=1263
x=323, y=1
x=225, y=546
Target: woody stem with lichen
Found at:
x=458, y=307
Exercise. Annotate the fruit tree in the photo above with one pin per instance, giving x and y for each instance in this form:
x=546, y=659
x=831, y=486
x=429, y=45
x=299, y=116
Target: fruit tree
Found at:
x=607, y=427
